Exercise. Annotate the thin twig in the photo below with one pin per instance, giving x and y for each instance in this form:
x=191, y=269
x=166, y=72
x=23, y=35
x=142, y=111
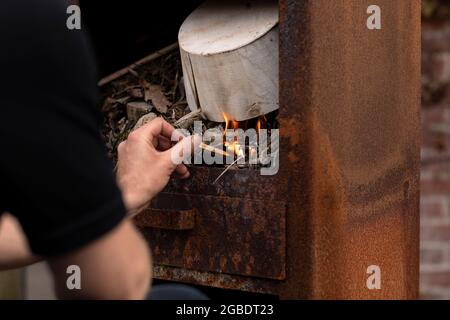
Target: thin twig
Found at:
x=144, y=60
x=175, y=86
x=232, y=164
x=228, y=168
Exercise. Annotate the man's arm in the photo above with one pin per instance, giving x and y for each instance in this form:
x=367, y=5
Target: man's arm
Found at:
x=117, y=266
x=55, y=176
x=14, y=250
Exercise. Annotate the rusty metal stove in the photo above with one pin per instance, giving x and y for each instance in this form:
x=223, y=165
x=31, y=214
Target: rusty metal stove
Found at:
x=347, y=193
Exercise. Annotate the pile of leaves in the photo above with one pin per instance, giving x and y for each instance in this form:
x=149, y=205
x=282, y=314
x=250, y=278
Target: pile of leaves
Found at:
x=155, y=88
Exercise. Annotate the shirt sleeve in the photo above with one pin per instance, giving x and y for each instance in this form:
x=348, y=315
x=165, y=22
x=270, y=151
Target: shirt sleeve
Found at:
x=54, y=171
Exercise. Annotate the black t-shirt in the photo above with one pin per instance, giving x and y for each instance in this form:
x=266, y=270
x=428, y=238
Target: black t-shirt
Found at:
x=54, y=173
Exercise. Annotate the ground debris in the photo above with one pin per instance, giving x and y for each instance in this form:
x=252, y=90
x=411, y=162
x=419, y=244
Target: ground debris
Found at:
x=156, y=89
x=144, y=120
x=155, y=95
x=137, y=109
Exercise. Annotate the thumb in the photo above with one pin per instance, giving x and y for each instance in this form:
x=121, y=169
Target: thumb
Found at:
x=183, y=150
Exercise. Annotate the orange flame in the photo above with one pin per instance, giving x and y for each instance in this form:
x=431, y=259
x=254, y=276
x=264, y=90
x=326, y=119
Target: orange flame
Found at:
x=226, y=122
x=234, y=147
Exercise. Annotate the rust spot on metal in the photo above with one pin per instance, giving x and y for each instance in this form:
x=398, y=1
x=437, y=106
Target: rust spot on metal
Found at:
x=231, y=236
x=357, y=93
x=217, y=280
x=167, y=220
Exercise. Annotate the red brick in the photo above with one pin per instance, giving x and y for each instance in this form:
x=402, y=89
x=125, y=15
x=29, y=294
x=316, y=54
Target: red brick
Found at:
x=432, y=209
x=435, y=37
x=439, y=68
x=431, y=256
x=429, y=296
x=435, y=187
x=433, y=139
x=437, y=180
x=435, y=175
x=433, y=114
x=435, y=233
x=438, y=144
x=436, y=279
x=438, y=169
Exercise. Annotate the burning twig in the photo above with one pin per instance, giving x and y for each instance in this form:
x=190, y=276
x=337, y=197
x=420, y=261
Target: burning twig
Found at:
x=233, y=163
x=209, y=148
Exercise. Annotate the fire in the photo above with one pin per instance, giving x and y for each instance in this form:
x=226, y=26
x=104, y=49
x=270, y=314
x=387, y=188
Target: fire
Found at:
x=234, y=147
x=261, y=123
x=226, y=121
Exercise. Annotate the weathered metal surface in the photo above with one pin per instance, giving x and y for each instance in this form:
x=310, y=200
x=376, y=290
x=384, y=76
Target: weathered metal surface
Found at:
x=350, y=147
x=217, y=280
x=231, y=235
x=244, y=184
x=169, y=212
x=167, y=219
x=354, y=142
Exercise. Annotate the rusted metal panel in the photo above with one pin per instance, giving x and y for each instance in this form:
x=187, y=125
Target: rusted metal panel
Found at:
x=354, y=140
x=244, y=184
x=231, y=235
x=167, y=220
x=218, y=280
x=169, y=213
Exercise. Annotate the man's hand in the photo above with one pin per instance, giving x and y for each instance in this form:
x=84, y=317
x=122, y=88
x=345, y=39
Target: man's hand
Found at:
x=146, y=162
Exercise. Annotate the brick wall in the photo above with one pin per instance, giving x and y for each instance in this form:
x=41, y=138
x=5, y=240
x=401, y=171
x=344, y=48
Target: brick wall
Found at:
x=435, y=175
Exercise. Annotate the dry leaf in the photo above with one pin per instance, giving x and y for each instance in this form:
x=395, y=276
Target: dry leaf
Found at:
x=154, y=94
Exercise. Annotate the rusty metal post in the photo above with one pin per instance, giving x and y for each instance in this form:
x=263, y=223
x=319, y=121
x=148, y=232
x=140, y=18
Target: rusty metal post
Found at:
x=355, y=147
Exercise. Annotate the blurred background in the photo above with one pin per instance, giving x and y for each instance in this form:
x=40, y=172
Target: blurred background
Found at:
x=435, y=175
